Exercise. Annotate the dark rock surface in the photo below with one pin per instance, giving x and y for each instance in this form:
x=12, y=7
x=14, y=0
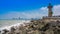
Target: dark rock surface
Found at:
x=35, y=27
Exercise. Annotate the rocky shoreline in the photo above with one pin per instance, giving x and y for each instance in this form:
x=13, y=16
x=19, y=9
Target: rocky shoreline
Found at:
x=35, y=27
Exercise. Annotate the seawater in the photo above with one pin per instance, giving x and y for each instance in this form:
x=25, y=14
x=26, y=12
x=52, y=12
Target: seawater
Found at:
x=7, y=23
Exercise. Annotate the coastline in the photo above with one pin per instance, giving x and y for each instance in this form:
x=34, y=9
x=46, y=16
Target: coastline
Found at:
x=16, y=24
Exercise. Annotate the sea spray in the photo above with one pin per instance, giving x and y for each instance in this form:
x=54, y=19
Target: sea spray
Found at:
x=16, y=24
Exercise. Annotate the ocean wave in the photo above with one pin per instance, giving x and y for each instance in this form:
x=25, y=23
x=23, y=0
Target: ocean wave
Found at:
x=18, y=24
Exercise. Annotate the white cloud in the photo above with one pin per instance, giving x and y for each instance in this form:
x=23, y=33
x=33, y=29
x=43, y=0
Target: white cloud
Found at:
x=56, y=10
x=43, y=11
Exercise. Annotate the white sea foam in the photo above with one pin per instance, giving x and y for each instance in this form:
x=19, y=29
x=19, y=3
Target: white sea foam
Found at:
x=18, y=24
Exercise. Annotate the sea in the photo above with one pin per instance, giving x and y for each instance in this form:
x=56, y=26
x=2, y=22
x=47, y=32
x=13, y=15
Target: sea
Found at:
x=6, y=24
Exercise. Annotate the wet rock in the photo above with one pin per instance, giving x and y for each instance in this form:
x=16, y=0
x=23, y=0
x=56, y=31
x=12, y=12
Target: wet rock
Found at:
x=12, y=29
x=5, y=31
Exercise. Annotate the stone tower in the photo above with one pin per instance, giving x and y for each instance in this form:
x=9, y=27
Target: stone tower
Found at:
x=50, y=10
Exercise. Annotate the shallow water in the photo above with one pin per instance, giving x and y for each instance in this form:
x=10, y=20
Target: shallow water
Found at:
x=6, y=23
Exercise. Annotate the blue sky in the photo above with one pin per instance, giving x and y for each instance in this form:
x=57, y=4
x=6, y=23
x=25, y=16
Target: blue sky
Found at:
x=9, y=7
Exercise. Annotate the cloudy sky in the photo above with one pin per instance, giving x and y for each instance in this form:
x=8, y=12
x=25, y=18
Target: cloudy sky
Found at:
x=27, y=8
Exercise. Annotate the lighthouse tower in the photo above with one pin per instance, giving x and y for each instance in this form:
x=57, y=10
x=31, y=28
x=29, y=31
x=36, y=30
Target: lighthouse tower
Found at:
x=50, y=10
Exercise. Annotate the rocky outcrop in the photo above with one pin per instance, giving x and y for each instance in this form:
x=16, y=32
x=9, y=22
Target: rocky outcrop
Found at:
x=35, y=27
